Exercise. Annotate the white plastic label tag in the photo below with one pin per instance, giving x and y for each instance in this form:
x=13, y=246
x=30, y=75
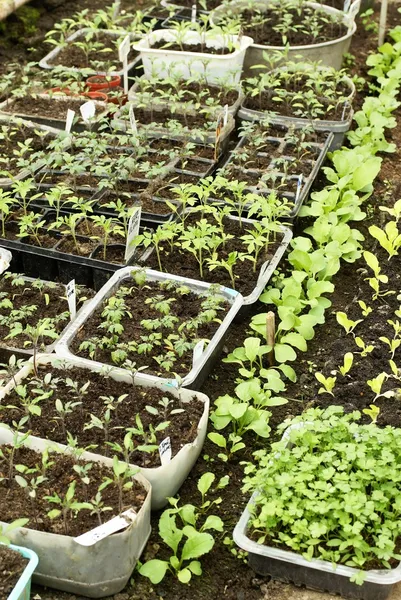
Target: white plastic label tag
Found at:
x=116, y=9
x=198, y=351
x=72, y=298
x=88, y=110
x=132, y=119
x=133, y=230
x=225, y=115
x=346, y=105
x=69, y=120
x=165, y=451
x=124, y=48
x=90, y=538
x=299, y=185
x=193, y=14
x=123, y=51
x=5, y=259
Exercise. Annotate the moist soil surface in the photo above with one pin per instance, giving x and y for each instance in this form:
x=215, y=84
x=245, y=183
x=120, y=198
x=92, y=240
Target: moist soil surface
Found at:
x=182, y=425
x=297, y=34
x=161, y=117
x=8, y=146
x=192, y=92
x=144, y=199
x=185, y=264
x=73, y=56
x=59, y=475
x=49, y=303
x=290, y=107
x=198, y=48
x=12, y=565
x=53, y=109
x=140, y=307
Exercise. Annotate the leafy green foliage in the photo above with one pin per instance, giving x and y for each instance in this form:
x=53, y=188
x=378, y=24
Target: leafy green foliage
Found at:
x=330, y=490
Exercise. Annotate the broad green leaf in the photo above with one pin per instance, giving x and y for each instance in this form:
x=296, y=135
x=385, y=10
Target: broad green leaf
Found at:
x=154, y=570
x=213, y=522
x=217, y=439
x=197, y=545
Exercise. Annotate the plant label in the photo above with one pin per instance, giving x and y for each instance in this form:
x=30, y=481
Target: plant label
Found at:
x=165, y=451
x=198, y=352
x=116, y=9
x=225, y=115
x=123, y=51
x=90, y=538
x=5, y=259
x=346, y=105
x=72, y=298
x=299, y=186
x=69, y=120
x=88, y=110
x=133, y=230
x=132, y=119
x=240, y=36
x=193, y=14
x=219, y=127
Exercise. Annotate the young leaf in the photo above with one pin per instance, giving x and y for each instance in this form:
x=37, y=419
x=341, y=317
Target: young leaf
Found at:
x=154, y=570
x=197, y=545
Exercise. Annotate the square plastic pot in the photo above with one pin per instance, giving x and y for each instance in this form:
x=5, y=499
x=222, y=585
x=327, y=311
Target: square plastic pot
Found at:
x=200, y=368
x=329, y=53
x=94, y=571
x=165, y=480
x=25, y=353
x=22, y=589
x=215, y=67
x=45, y=62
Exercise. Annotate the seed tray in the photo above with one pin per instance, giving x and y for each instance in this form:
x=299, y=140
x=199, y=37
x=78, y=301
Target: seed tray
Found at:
x=52, y=264
x=282, y=148
x=54, y=122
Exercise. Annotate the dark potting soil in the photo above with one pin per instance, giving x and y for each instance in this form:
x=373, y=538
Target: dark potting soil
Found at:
x=71, y=181
x=84, y=246
x=297, y=33
x=201, y=48
x=73, y=56
x=96, y=232
x=114, y=254
x=184, y=264
x=42, y=240
x=8, y=161
x=182, y=307
x=265, y=102
x=59, y=475
x=182, y=428
x=161, y=117
x=12, y=565
x=56, y=108
x=194, y=165
x=194, y=92
x=50, y=303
